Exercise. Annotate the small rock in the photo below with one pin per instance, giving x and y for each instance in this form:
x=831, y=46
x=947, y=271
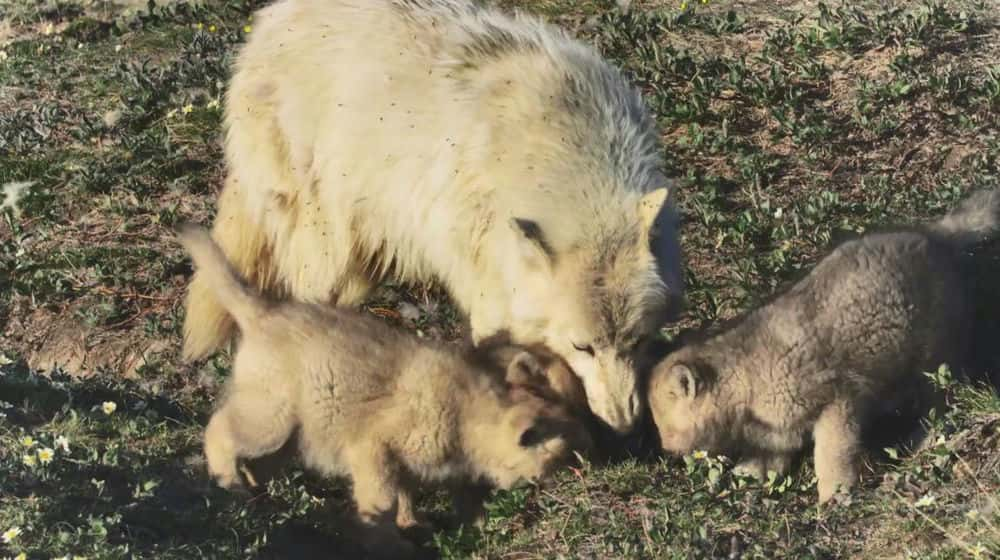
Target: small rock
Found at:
x=408, y=311
x=111, y=118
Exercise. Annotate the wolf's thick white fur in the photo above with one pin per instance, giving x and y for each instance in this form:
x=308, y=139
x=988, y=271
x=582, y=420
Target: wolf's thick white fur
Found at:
x=442, y=140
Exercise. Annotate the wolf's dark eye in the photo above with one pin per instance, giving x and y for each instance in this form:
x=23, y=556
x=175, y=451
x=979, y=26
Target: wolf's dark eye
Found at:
x=584, y=348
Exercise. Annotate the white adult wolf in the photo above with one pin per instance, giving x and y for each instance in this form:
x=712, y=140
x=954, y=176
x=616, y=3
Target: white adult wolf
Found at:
x=443, y=140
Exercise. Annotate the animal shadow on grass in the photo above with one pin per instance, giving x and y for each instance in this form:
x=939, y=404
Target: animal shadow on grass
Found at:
x=137, y=473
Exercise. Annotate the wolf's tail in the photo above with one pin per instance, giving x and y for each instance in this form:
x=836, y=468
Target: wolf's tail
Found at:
x=219, y=276
x=974, y=220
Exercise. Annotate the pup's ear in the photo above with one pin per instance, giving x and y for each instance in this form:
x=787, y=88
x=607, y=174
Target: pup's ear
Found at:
x=534, y=246
x=526, y=370
x=682, y=380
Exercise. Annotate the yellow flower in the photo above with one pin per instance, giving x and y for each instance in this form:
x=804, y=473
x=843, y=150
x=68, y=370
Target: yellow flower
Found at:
x=247, y=29
x=29, y=460
x=199, y=26
x=684, y=6
x=212, y=28
x=700, y=455
x=28, y=441
x=10, y=534
x=213, y=104
x=187, y=108
x=21, y=556
x=45, y=455
x=49, y=29
x=109, y=407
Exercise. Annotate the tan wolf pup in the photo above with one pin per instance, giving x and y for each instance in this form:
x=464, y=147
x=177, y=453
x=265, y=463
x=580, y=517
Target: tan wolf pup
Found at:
x=378, y=404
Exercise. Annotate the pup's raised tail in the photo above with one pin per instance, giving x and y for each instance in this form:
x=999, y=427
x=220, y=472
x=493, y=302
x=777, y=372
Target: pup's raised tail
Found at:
x=232, y=292
x=974, y=220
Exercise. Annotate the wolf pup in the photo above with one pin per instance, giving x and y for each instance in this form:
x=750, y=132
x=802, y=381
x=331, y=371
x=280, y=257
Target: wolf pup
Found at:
x=445, y=140
x=372, y=402
x=877, y=309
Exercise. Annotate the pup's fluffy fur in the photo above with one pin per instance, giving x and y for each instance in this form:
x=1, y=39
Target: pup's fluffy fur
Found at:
x=443, y=140
x=876, y=310
x=378, y=404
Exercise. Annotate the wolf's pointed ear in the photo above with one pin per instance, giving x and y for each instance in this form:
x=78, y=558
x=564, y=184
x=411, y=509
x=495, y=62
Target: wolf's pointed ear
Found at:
x=683, y=381
x=650, y=205
x=531, y=240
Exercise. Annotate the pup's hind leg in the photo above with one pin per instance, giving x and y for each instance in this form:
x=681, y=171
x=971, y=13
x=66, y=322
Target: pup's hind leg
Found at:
x=250, y=424
x=837, y=435
x=376, y=491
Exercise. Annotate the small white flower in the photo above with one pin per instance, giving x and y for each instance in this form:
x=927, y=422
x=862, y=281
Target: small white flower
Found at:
x=62, y=442
x=45, y=455
x=118, y=48
x=187, y=109
x=925, y=501
x=109, y=407
x=10, y=534
x=213, y=104
x=4, y=56
x=171, y=113
x=972, y=514
x=5, y=405
x=29, y=460
x=63, y=557
x=49, y=29
x=778, y=213
x=700, y=455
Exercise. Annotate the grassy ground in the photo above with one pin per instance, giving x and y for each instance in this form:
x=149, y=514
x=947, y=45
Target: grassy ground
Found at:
x=789, y=124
